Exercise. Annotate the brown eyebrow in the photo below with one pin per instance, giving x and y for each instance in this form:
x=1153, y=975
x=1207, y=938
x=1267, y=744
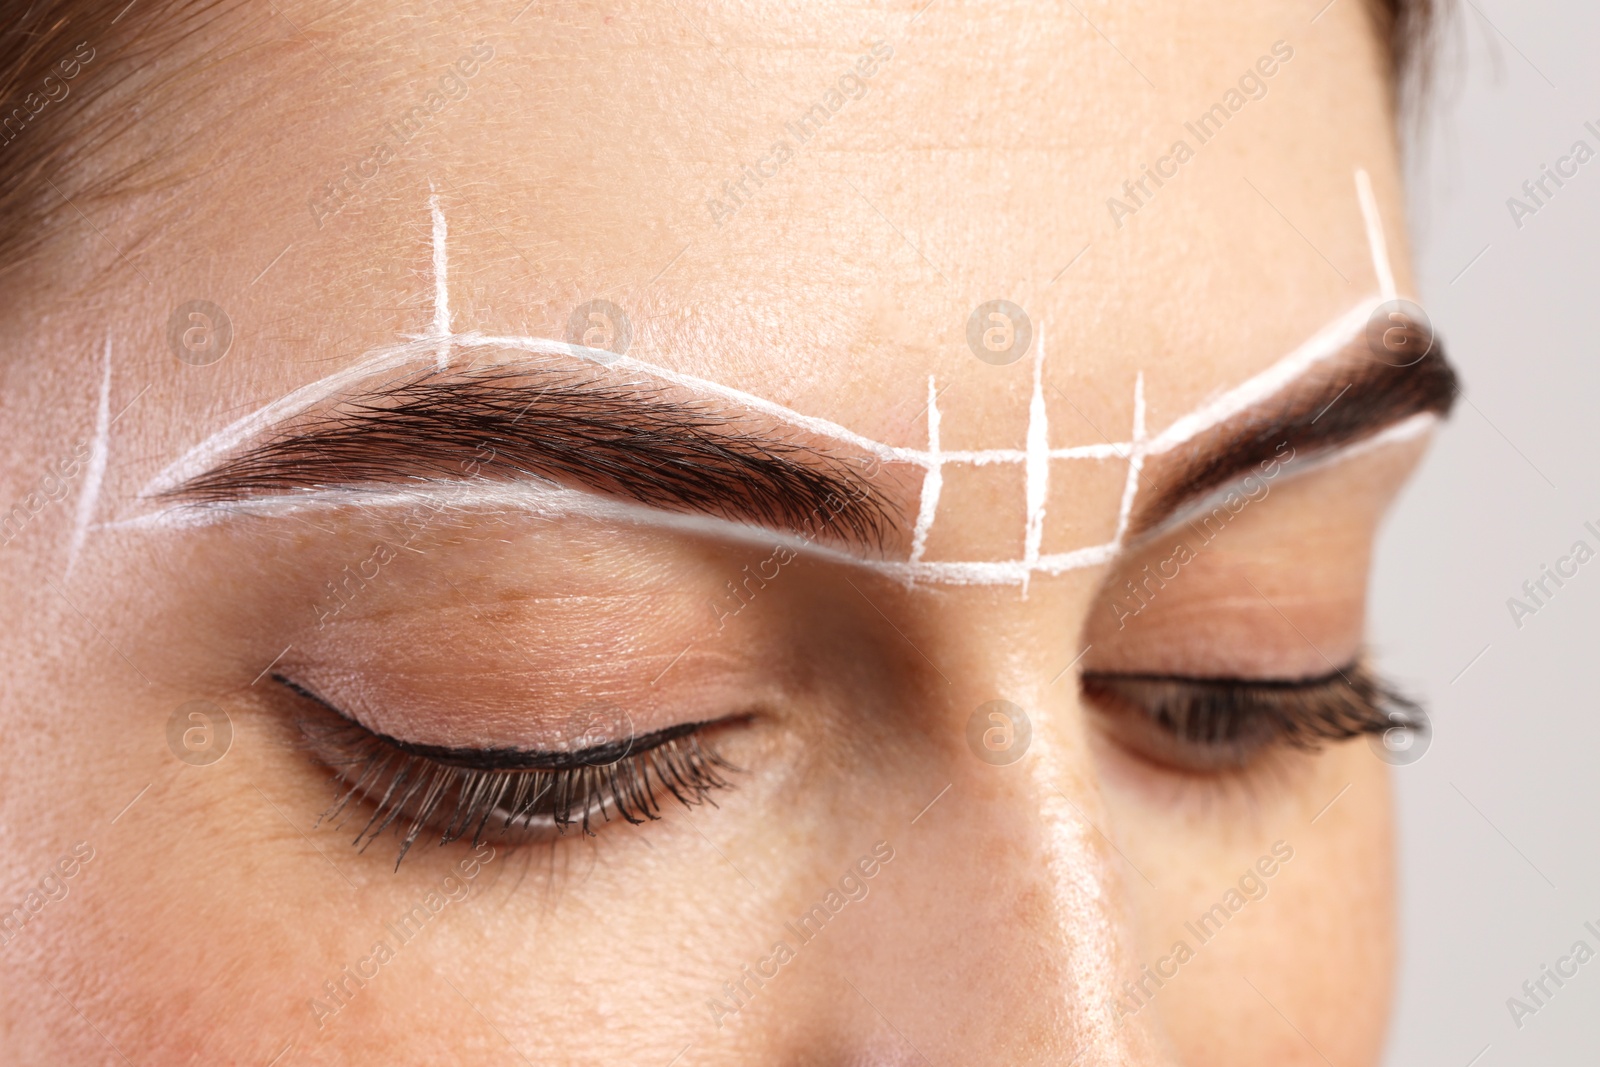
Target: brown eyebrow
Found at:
x=624, y=439
x=1355, y=397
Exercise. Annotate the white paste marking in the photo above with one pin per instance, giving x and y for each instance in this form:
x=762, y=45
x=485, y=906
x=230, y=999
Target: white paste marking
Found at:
x=550, y=501
x=1136, y=451
x=1036, y=468
x=441, y=281
x=1035, y=457
x=932, y=478
x=1408, y=428
x=1376, y=242
x=95, y=472
x=1325, y=343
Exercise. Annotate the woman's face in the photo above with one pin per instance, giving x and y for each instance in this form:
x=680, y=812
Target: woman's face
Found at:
x=949, y=620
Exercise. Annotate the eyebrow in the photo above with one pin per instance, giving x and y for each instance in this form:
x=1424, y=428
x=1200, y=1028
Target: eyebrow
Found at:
x=626, y=439
x=1353, y=397
x=635, y=441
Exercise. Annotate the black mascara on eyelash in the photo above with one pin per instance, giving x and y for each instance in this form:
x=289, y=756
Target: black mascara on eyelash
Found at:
x=455, y=790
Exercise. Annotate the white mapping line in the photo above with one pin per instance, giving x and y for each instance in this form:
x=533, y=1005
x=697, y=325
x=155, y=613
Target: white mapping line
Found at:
x=1408, y=428
x=418, y=349
x=822, y=427
x=1036, y=468
x=986, y=456
x=441, y=282
x=1321, y=345
x=95, y=472
x=932, y=478
x=1376, y=242
x=1130, y=488
x=1326, y=342
x=198, y=458
x=550, y=501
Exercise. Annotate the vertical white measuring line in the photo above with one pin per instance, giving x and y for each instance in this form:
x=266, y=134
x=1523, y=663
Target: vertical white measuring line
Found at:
x=95, y=472
x=1375, y=238
x=1036, y=466
x=1130, y=488
x=932, y=478
x=441, y=282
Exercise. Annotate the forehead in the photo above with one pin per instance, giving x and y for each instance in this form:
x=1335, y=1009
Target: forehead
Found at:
x=809, y=205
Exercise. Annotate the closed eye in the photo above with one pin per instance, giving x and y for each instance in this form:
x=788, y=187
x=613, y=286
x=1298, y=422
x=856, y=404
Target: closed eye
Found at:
x=471, y=793
x=1217, y=725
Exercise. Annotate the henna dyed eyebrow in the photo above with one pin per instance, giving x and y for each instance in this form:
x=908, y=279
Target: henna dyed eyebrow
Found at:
x=627, y=440
x=1352, y=398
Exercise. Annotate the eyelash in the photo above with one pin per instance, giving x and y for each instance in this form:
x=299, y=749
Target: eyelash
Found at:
x=457, y=791
x=1221, y=724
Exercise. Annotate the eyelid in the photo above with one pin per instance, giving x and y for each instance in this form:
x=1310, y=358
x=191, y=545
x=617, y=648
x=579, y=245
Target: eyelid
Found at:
x=520, y=759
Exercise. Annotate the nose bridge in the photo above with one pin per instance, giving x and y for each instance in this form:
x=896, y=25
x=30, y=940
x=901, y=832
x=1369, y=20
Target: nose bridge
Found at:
x=1090, y=931
x=1016, y=904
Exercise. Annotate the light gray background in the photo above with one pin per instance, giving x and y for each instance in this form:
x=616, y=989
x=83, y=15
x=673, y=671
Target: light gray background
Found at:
x=1499, y=834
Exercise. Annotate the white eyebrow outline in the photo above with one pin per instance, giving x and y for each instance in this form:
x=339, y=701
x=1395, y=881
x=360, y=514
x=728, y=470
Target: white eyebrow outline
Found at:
x=439, y=343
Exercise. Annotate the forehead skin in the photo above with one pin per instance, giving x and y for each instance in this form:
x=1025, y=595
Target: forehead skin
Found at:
x=577, y=165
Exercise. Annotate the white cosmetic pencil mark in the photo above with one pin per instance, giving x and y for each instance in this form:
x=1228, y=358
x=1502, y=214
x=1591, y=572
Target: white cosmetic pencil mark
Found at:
x=1406, y=429
x=441, y=281
x=95, y=472
x=1324, y=344
x=1130, y=488
x=932, y=479
x=819, y=426
x=1036, y=469
x=986, y=572
x=423, y=349
x=231, y=436
x=985, y=456
x=553, y=502
x=1376, y=241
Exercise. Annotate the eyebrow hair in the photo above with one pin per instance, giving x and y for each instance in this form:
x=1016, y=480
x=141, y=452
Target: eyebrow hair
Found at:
x=623, y=439
x=1352, y=398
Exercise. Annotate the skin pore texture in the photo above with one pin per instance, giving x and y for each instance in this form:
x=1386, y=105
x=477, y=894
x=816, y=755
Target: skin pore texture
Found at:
x=599, y=153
